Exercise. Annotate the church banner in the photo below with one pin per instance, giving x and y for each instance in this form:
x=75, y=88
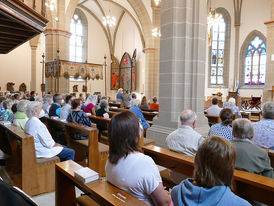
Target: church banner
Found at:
x=67, y=69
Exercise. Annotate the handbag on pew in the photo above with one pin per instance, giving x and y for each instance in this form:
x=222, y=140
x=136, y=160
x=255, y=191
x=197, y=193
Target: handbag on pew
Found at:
x=11, y=196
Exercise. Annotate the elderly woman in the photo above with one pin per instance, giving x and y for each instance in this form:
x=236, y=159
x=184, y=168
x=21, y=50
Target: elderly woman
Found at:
x=90, y=104
x=20, y=117
x=129, y=169
x=7, y=114
x=47, y=101
x=250, y=157
x=45, y=147
x=103, y=108
x=230, y=104
x=138, y=112
x=119, y=96
x=224, y=128
x=212, y=178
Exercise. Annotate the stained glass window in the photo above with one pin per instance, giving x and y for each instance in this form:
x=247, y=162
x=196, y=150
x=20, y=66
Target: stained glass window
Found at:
x=76, y=40
x=255, y=62
x=217, y=53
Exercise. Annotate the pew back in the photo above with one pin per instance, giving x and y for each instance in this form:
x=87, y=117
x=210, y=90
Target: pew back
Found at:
x=101, y=191
x=97, y=152
x=33, y=176
x=247, y=185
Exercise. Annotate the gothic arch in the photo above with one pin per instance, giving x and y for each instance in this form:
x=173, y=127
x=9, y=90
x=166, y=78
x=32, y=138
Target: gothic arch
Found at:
x=245, y=44
x=227, y=19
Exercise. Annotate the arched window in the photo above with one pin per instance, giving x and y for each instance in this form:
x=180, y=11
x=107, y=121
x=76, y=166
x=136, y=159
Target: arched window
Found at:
x=219, y=50
x=255, y=62
x=77, y=49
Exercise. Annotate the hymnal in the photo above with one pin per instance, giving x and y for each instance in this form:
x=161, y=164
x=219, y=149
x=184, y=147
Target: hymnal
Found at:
x=86, y=175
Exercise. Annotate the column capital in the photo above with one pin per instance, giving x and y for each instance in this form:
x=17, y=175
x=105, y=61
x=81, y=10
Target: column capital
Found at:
x=33, y=47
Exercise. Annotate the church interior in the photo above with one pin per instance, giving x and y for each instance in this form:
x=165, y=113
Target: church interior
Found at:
x=197, y=74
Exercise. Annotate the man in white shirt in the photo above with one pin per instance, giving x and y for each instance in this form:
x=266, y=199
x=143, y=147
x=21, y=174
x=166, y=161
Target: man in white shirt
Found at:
x=214, y=110
x=65, y=110
x=184, y=139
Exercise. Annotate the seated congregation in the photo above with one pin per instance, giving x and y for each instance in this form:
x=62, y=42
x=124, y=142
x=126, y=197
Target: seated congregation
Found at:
x=232, y=144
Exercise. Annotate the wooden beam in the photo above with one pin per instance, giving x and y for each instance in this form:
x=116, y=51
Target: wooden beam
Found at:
x=15, y=41
x=13, y=26
x=15, y=32
x=11, y=37
x=8, y=42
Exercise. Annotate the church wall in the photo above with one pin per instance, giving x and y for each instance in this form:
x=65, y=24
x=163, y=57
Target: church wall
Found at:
x=254, y=14
x=16, y=67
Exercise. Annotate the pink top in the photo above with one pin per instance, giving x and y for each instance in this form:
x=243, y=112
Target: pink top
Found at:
x=88, y=108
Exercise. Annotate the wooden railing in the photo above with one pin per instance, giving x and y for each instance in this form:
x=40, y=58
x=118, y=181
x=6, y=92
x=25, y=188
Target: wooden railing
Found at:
x=37, y=5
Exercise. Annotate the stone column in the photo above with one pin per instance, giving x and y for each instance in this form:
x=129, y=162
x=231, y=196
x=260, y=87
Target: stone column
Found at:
x=237, y=24
x=182, y=65
x=57, y=38
x=33, y=44
x=269, y=81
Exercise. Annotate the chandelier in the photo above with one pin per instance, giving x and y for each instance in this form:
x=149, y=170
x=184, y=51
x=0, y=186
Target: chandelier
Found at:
x=156, y=32
x=50, y=4
x=157, y=2
x=109, y=21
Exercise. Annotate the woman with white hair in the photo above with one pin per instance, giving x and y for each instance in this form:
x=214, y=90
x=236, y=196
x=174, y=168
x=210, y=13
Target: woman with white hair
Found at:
x=119, y=96
x=249, y=157
x=230, y=104
x=45, y=146
x=138, y=112
x=20, y=117
x=47, y=101
x=90, y=104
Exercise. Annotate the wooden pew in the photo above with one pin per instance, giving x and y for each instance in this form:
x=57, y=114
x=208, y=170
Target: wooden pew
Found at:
x=33, y=175
x=104, y=123
x=213, y=119
x=97, y=152
x=247, y=185
x=100, y=191
x=56, y=128
x=104, y=138
x=112, y=104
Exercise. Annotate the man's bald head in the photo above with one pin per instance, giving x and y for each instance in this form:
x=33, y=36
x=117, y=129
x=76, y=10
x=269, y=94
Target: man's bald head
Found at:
x=188, y=117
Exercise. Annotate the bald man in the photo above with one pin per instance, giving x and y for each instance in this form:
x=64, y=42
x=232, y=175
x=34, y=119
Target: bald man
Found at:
x=185, y=139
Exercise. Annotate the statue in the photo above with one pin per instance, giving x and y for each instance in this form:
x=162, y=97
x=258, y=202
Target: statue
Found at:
x=10, y=86
x=85, y=89
x=22, y=87
x=75, y=88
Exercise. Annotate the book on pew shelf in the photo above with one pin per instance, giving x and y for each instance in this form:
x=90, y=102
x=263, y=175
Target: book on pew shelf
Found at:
x=5, y=123
x=86, y=175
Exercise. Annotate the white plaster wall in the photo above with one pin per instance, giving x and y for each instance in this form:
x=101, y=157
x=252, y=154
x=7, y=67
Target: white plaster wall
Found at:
x=16, y=67
x=254, y=14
